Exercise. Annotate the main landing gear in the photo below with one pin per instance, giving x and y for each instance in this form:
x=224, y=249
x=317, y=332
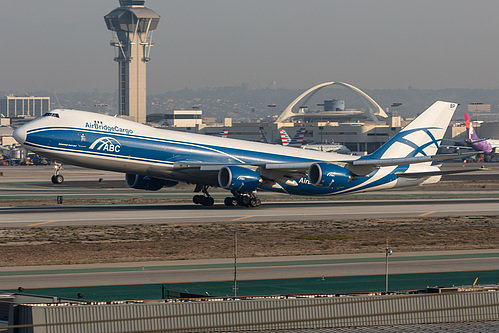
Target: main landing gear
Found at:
x=239, y=199
x=206, y=199
x=243, y=199
x=57, y=178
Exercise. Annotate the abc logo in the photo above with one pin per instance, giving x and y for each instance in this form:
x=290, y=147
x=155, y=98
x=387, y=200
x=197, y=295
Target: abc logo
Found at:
x=107, y=144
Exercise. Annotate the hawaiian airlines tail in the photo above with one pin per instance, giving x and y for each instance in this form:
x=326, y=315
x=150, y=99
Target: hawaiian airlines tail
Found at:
x=470, y=131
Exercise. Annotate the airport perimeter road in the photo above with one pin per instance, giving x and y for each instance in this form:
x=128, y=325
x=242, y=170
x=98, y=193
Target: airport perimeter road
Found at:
x=270, y=211
x=248, y=269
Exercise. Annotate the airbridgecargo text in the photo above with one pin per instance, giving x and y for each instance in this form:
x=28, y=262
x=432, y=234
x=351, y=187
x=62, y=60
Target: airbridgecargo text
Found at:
x=115, y=129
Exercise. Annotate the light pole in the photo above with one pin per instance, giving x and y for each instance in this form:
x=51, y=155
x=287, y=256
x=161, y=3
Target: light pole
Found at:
x=388, y=252
x=235, y=264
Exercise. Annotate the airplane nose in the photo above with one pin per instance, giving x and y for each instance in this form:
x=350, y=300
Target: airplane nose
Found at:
x=20, y=134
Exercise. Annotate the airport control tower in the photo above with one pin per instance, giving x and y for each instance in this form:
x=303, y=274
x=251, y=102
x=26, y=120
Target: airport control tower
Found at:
x=132, y=25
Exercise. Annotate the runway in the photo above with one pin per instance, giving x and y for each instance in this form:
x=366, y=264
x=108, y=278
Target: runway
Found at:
x=248, y=269
x=269, y=211
x=399, y=205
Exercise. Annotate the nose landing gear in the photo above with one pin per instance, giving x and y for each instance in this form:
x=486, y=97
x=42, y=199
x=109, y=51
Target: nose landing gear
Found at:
x=57, y=178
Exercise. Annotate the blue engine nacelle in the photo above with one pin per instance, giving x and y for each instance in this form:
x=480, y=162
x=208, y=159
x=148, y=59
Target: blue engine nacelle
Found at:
x=238, y=178
x=328, y=175
x=142, y=182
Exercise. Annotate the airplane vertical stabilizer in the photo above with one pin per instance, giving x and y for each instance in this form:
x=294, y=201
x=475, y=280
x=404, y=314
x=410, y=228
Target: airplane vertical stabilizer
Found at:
x=469, y=129
x=422, y=136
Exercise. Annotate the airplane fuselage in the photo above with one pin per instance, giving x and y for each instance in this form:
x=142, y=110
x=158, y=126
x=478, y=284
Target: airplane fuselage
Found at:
x=109, y=143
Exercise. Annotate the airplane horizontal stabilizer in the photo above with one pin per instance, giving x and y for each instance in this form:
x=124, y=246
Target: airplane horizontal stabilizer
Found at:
x=434, y=173
x=410, y=160
x=366, y=166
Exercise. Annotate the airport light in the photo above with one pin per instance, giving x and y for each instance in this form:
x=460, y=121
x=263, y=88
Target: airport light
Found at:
x=396, y=106
x=388, y=252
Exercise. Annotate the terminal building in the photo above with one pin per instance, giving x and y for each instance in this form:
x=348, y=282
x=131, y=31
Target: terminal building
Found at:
x=361, y=130
x=24, y=106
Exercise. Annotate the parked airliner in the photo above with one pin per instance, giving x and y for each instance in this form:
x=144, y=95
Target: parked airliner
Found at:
x=155, y=158
x=487, y=146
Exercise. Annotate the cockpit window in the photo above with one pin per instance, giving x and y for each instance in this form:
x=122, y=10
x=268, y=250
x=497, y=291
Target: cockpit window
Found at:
x=51, y=114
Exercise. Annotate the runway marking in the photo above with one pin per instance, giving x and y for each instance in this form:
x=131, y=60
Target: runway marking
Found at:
x=241, y=218
x=258, y=214
x=35, y=224
x=427, y=213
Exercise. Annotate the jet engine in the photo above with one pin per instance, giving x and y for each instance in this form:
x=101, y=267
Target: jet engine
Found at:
x=142, y=182
x=238, y=178
x=328, y=175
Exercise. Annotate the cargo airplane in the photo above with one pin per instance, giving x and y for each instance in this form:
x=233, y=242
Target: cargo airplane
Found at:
x=154, y=158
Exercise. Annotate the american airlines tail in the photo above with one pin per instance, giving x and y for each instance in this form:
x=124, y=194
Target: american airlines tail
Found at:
x=285, y=139
x=224, y=133
x=297, y=140
x=422, y=137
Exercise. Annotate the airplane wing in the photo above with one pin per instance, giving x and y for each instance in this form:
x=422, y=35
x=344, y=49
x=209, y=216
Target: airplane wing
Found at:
x=287, y=173
x=274, y=173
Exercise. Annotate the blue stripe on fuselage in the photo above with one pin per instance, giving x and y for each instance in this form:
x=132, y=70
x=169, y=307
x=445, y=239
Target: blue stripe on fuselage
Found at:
x=147, y=148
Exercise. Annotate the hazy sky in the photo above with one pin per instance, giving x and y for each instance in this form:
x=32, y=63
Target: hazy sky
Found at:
x=372, y=44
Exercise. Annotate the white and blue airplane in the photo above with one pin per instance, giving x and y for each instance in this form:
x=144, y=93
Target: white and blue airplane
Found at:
x=155, y=158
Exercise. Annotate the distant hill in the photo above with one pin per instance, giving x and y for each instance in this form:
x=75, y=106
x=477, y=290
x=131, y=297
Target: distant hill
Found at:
x=243, y=103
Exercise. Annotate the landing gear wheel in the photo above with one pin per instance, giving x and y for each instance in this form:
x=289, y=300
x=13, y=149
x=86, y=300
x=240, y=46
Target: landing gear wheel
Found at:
x=243, y=200
x=57, y=179
x=207, y=201
x=255, y=202
x=197, y=199
x=230, y=201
